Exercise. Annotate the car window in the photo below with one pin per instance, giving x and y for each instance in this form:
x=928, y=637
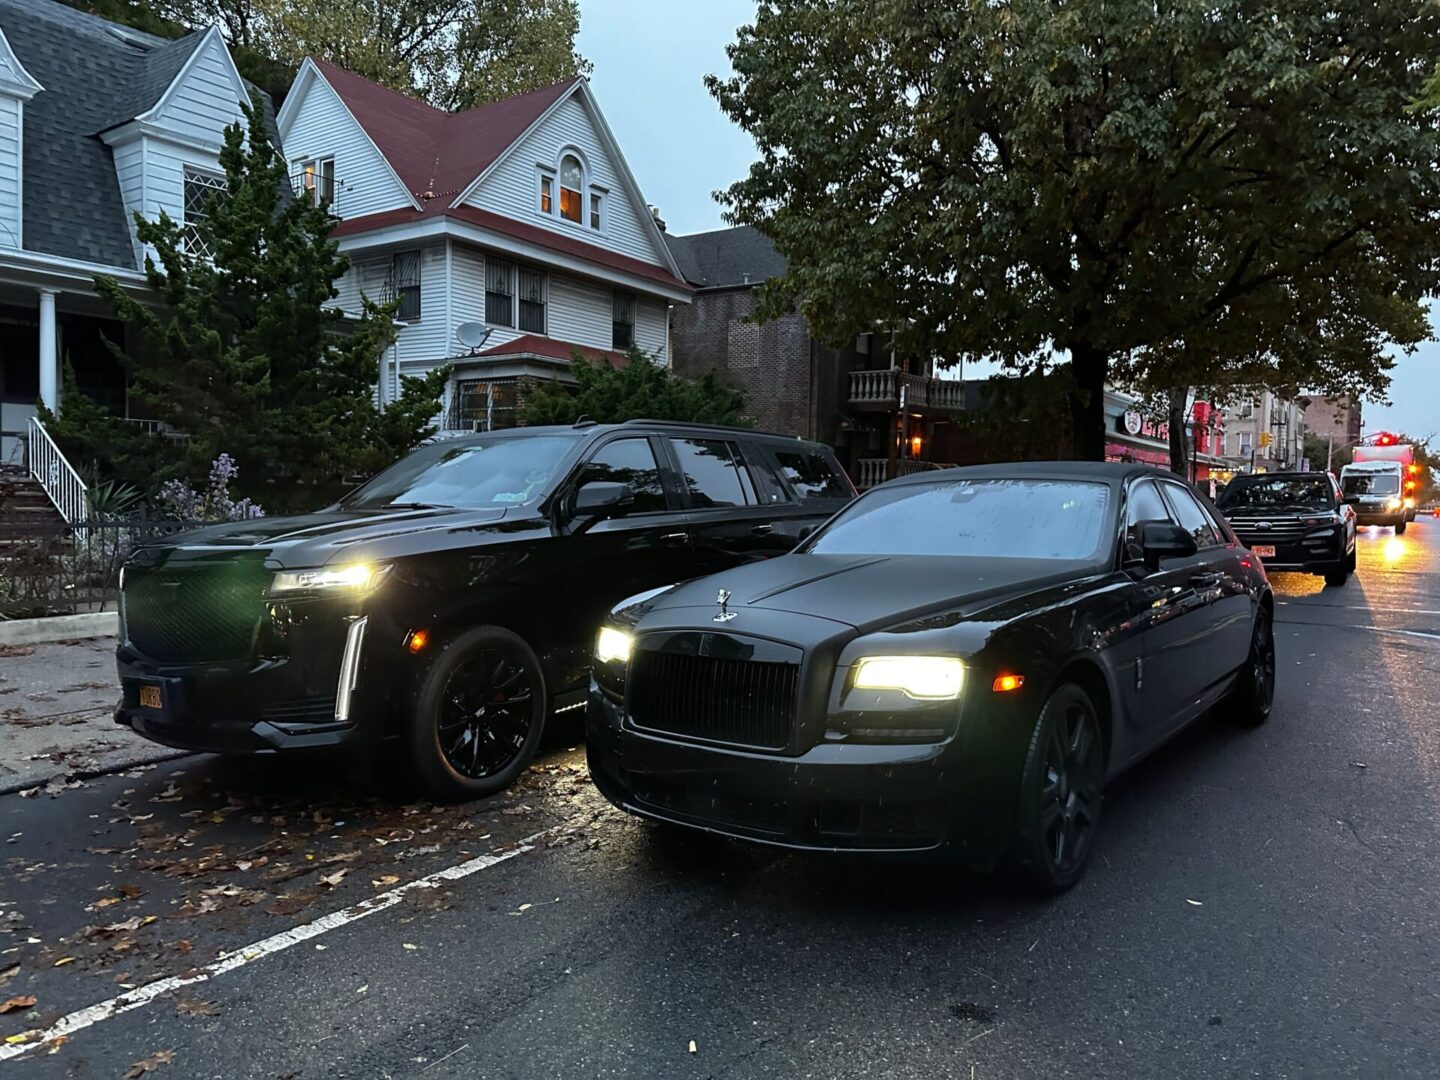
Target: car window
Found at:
x=767, y=477
x=714, y=474
x=813, y=476
x=632, y=462
x=1142, y=504
x=1192, y=516
x=1276, y=493
x=469, y=473
x=1007, y=519
x=1370, y=483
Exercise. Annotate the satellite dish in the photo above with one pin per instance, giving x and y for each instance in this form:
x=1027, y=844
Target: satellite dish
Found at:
x=472, y=335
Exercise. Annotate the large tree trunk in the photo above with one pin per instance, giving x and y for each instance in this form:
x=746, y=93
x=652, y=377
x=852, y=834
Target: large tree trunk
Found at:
x=1090, y=367
x=1179, y=451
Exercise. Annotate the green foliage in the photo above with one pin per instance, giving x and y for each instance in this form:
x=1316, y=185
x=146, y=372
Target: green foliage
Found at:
x=244, y=354
x=640, y=389
x=1192, y=193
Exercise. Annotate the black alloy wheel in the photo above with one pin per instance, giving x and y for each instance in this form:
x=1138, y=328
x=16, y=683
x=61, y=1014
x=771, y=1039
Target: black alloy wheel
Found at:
x=1339, y=574
x=1254, y=692
x=478, y=715
x=1060, y=792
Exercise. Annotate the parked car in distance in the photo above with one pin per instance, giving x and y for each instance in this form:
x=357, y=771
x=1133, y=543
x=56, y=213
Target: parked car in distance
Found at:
x=1294, y=521
x=452, y=601
x=956, y=663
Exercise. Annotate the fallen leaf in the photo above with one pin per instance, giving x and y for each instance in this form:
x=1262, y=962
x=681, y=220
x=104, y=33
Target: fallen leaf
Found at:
x=184, y=945
x=172, y=793
x=130, y=892
x=24, y=1036
x=8, y=973
x=197, y=1008
x=144, y=1065
x=16, y=1003
x=385, y=879
x=129, y=924
x=1195, y=903
x=407, y=945
x=107, y=901
x=693, y=1048
x=335, y=878
x=63, y=961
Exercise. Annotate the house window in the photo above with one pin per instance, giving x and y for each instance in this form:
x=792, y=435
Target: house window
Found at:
x=622, y=320
x=403, y=284
x=1246, y=438
x=499, y=292
x=571, y=182
x=317, y=180
x=595, y=201
x=532, y=300
x=547, y=195
x=200, y=188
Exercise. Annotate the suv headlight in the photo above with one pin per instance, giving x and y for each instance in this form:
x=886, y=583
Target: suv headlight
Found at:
x=613, y=646
x=355, y=579
x=1393, y=503
x=926, y=678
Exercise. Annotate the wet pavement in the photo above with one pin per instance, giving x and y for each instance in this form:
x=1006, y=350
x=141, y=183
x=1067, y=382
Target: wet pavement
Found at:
x=1260, y=904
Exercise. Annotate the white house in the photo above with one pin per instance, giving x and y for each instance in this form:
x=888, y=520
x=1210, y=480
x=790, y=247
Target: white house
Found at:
x=519, y=221
x=97, y=121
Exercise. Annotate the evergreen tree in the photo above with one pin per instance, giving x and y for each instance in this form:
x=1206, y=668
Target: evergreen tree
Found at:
x=639, y=389
x=245, y=354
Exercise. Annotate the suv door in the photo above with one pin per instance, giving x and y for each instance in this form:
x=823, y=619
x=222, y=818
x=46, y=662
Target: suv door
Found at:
x=644, y=546
x=728, y=524
x=1219, y=587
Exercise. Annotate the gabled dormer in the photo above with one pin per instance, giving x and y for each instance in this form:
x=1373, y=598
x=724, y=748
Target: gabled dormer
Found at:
x=17, y=86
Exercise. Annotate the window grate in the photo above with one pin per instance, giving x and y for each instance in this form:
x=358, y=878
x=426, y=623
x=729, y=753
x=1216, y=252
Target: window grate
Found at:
x=499, y=292
x=532, y=300
x=403, y=283
x=200, y=189
x=622, y=326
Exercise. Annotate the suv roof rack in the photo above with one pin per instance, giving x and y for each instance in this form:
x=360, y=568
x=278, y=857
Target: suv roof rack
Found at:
x=641, y=421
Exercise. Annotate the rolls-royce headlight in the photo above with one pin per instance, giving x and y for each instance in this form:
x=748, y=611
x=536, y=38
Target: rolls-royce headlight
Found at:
x=353, y=578
x=613, y=646
x=927, y=678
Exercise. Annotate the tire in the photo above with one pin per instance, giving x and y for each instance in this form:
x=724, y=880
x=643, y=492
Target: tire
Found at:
x=477, y=715
x=1061, y=790
x=1340, y=574
x=1254, y=692
x=1400, y=528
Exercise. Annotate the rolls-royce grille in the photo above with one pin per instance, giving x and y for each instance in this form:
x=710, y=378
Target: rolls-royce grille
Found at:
x=198, y=613
x=742, y=702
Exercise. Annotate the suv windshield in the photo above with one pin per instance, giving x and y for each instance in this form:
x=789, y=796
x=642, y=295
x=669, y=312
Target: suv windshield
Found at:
x=1014, y=519
x=500, y=471
x=1370, y=484
x=1277, y=493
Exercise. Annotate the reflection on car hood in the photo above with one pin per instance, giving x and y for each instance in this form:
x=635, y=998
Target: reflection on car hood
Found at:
x=302, y=540
x=865, y=591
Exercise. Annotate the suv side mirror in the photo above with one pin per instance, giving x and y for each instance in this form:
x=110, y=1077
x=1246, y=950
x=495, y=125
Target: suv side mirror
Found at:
x=1164, y=540
x=602, y=499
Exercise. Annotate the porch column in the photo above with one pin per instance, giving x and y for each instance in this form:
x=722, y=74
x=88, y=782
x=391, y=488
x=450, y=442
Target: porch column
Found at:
x=49, y=360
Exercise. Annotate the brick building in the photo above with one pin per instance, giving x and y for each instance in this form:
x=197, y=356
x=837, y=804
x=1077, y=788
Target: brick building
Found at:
x=849, y=397
x=1333, y=418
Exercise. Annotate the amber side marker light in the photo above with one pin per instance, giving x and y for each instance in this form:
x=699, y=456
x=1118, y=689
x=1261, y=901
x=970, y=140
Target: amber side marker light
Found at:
x=1005, y=683
x=416, y=640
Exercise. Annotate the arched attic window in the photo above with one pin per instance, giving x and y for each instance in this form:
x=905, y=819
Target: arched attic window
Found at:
x=572, y=187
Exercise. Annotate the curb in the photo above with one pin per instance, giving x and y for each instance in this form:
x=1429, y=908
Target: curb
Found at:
x=119, y=765
x=59, y=628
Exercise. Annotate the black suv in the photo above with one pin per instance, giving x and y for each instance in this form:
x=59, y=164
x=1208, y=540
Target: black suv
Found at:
x=1294, y=521
x=453, y=600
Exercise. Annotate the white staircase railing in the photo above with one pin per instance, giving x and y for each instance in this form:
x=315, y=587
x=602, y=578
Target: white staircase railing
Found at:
x=60, y=481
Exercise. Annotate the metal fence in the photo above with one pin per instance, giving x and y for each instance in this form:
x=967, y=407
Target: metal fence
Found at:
x=52, y=568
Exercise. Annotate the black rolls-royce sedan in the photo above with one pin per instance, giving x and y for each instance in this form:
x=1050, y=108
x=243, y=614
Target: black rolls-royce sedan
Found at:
x=957, y=662
x=450, y=604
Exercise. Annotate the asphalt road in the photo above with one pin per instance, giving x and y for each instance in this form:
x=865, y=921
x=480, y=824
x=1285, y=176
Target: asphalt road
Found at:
x=1261, y=904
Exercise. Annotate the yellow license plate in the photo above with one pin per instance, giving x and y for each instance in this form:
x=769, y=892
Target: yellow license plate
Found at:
x=1265, y=551
x=150, y=697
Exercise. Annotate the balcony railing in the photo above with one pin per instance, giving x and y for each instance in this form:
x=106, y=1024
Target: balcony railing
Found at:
x=872, y=471
x=887, y=387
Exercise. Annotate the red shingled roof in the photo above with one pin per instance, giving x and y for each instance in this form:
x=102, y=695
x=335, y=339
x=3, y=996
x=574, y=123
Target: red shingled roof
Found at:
x=432, y=150
x=554, y=349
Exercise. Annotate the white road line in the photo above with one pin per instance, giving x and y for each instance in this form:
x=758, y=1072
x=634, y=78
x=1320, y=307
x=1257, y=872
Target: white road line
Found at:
x=1358, y=626
x=1360, y=607
x=139, y=998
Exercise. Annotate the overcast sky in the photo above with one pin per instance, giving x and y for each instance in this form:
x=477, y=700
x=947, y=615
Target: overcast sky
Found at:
x=650, y=58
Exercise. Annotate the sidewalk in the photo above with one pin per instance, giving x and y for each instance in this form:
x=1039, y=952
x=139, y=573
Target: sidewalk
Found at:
x=56, y=702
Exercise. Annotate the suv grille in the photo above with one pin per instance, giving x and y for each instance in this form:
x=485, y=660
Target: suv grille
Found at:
x=195, y=613
x=742, y=702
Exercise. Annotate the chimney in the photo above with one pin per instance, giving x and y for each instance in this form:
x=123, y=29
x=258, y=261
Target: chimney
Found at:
x=655, y=213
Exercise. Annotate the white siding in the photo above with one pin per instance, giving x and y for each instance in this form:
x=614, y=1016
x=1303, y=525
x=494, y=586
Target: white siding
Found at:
x=10, y=119
x=467, y=284
x=579, y=312
x=511, y=188
x=650, y=328
x=428, y=340
x=205, y=99
x=130, y=171
x=323, y=127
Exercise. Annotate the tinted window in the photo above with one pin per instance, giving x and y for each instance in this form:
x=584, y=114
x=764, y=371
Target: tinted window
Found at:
x=632, y=462
x=1277, y=493
x=713, y=473
x=767, y=479
x=1017, y=519
x=1370, y=483
x=494, y=472
x=1192, y=516
x=812, y=475
x=1143, y=504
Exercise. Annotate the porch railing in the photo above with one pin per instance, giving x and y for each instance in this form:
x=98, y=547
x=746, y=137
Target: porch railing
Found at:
x=872, y=471
x=885, y=386
x=56, y=475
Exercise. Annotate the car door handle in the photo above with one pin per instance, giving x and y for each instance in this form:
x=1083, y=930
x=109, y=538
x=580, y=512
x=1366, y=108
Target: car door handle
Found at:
x=675, y=538
x=1205, y=581
x=763, y=530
